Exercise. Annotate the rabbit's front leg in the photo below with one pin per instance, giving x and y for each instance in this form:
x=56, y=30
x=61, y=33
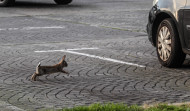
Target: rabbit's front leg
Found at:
x=34, y=77
x=65, y=72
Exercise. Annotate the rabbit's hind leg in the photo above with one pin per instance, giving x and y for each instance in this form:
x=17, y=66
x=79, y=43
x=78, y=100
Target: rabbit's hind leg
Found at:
x=34, y=77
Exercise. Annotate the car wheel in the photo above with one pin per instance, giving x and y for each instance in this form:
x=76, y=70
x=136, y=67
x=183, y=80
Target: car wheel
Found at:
x=168, y=45
x=4, y=3
x=63, y=2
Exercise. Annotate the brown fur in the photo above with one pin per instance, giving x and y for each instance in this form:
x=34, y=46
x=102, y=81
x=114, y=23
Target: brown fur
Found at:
x=42, y=70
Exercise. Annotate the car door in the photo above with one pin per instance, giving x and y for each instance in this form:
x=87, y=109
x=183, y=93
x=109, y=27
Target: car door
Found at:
x=186, y=24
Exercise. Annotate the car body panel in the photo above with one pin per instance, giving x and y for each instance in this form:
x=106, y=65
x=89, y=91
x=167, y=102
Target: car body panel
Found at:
x=179, y=11
x=186, y=24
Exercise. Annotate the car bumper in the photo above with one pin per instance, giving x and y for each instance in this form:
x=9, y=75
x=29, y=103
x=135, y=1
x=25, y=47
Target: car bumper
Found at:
x=149, y=32
x=149, y=26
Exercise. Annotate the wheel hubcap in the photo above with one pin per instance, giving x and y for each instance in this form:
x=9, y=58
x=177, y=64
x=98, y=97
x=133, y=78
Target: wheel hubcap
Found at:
x=164, y=43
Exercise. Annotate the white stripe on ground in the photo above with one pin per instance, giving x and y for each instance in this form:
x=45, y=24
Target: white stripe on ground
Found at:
x=32, y=28
x=92, y=56
x=83, y=49
x=50, y=27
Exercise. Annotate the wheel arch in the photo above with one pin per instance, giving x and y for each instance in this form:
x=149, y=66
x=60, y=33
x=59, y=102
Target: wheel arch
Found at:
x=159, y=18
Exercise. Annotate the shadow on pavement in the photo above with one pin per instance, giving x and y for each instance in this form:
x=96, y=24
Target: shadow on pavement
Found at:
x=186, y=64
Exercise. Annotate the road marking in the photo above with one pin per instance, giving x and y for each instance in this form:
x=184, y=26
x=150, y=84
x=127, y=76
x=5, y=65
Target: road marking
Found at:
x=50, y=27
x=32, y=28
x=95, y=48
x=72, y=51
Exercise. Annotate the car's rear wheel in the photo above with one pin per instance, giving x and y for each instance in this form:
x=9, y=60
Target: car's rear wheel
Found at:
x=168, y=45
x=63, y=2
x=4, y=3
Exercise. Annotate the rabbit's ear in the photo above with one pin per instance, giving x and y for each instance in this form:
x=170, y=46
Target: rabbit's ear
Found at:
x=37, y=68
x=39, y=64
x=64, y=57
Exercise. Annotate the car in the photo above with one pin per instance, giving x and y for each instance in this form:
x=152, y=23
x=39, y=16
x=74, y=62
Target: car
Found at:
x=168, y=30
x=4, y=3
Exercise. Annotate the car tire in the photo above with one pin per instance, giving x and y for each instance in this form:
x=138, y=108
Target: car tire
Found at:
x=4, y=3
x=63, y=2
x=168, y=45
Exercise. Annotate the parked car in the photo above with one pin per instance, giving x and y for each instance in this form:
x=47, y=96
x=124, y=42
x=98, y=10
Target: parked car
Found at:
x=168, y=30
x=11, y=2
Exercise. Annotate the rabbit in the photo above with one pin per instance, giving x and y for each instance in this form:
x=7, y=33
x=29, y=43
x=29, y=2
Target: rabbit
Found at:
x=43, y=70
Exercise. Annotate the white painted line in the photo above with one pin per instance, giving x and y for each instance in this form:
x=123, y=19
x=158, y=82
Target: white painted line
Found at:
x=50, y=27
x=32, y=28
x=69, y=50
x=93, y=56
x=13, y=29
x=51, y=51
x=83, y=49
x=104, y=58
x=9, y=29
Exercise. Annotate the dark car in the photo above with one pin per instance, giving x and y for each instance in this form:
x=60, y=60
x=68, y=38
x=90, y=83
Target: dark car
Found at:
x=168, y=30
x=11, y=2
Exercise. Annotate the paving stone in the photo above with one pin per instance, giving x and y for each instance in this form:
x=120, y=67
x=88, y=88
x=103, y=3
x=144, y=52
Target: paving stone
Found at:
x=118, y=33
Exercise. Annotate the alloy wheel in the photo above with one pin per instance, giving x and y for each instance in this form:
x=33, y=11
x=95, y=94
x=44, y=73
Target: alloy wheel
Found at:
x=164, y=43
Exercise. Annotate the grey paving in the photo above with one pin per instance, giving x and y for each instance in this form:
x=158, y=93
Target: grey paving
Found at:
x=116, y=28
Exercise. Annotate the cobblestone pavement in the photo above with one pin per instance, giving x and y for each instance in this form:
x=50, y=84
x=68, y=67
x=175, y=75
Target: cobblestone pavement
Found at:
x=114, y=29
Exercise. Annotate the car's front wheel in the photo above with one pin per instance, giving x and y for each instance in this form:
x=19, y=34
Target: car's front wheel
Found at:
x=63, y=2
x=168, y=45
x=4, y=3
